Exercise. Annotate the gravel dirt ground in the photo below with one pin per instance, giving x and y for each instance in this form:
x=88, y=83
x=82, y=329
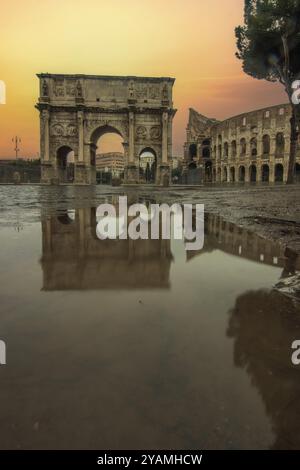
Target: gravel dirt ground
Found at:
x=271, y=211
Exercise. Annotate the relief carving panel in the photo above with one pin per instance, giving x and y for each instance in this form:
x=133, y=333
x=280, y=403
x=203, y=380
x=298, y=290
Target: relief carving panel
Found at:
x=63, y=130
x=155, y=132
x=141, y=133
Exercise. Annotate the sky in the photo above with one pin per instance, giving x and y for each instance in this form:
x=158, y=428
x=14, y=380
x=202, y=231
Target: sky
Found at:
x=190, y=40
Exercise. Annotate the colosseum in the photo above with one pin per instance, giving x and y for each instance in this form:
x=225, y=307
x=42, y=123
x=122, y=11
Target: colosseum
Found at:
x=250, y=147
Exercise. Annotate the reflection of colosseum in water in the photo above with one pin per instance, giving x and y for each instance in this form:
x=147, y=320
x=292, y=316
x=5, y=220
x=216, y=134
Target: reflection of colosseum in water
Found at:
x=250, y=147
x=74, y=258
x=238, y=241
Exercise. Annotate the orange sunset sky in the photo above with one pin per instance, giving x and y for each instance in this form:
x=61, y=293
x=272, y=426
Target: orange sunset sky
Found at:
x=191, y=40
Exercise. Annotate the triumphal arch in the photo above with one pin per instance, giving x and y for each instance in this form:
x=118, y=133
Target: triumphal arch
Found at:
x=76, y=110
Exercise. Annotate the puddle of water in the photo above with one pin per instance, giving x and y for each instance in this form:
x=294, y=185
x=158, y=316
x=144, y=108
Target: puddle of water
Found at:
x=141, y=344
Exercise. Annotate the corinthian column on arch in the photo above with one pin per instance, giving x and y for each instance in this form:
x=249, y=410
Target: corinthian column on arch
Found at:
x=45, y=132
x=131, y=137
x=80, y=121
x=165, y=120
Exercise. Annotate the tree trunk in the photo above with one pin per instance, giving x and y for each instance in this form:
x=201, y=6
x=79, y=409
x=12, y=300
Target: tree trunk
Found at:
x=293, y=146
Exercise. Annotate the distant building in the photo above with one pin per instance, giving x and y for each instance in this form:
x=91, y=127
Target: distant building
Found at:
x=21, y=170
x=146, y=159
x=110, y=162
x=177, y=162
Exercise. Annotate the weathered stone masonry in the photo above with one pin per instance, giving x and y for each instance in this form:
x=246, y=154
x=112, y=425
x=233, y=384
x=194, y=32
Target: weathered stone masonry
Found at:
x=76, y=110
x=250, y=147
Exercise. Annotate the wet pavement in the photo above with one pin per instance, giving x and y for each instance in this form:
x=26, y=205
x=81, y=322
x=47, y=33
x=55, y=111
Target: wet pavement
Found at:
x=141, y=344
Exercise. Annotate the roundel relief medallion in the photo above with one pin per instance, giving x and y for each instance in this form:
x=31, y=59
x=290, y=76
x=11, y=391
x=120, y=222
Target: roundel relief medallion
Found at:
x=141, y=132
x=155, y=132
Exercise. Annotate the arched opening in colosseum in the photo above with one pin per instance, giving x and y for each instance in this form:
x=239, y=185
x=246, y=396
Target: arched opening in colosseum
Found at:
x=243, y=147
x=192, y=152
x=266, y=144
x=232, y=174
x=206, y=152
x=192, y=166
x=226, y=150
x=253, y=146
x=219, y=175
x=252, y=173
x=233, y=149
x=225, y=174
x=206, y=148
x=278, y=172
x=65, y=160
x=214, y=175
x=208, y=172
x=242, y=173
x=147, y=165
x=280, y=143
x=194, y=174
x=297, y=172
x=220, y=151
x=265, y=173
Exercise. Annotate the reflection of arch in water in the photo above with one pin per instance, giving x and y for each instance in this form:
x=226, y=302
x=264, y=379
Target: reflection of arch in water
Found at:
x=74, y=258
x=68, y=217
x=262, y=325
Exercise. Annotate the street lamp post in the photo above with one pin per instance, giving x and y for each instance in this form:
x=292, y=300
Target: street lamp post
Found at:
x=16, y=140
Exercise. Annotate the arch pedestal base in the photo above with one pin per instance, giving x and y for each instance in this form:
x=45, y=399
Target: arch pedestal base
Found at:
x=131, y=174
x=163, y=175
x=83, y=174
x=48, y=173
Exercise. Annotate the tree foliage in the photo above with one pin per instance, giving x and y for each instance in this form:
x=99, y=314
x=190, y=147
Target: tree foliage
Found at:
x=269, y=42
x=269, y=45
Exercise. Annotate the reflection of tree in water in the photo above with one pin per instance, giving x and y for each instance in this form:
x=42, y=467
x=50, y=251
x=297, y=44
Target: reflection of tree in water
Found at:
x=264, y=325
